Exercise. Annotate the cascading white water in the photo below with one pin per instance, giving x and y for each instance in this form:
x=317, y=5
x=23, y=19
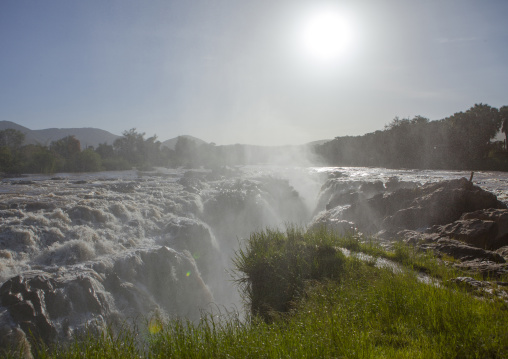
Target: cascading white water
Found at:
x=96, y=249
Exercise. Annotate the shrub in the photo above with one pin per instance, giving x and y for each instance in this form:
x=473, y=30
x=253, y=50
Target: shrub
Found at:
x=276, y=266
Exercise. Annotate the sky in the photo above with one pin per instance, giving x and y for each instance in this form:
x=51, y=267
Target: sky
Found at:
x=254, y=72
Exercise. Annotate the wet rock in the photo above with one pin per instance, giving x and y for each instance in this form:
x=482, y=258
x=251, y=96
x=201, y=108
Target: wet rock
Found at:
x=242, y=206
x=371, y=188
x=483, y=229
x=488, y=269
x=83, y=213
x=393, y=184
x=503, y=251
x=129, y=187
x=24, y=298
x=170, y=278
x=462, y=251
x=53, y=306
x=499, y=217
x=23, y=182
x=483, y=288
x=469, y=282
x=474, y=232
x=183, y=233
x=37, y=206
x=337, y=192
x=432, y=204
x=344, y=198
x=191, y=184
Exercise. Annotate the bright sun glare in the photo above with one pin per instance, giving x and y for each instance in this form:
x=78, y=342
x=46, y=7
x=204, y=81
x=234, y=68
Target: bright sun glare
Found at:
x=326, y=35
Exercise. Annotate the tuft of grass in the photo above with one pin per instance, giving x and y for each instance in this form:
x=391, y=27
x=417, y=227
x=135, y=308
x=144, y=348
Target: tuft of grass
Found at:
x=275, y=266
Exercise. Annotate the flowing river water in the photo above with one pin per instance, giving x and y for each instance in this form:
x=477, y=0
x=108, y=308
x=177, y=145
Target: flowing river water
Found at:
x=111, y=246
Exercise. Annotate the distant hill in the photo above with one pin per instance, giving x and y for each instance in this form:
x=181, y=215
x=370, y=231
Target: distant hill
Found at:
x=87, y=136
x=171, y=143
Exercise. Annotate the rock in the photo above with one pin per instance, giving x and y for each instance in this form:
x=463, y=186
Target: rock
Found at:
x=343, y=198
x=83, y=214
x=191, y=184
x=371, y=188
x=183, y=233
x=500, y=218
x=339, y=192
x=487, y=229
x=432, y=204
x=369, y=214
x=462, y=251
x=24, y=298
x=170, y=279
x=52, y=306
x=129, y=187
x=482, y=288
x=475, y=232
x=414, y=237
x=503, y=251
x=469, y=282
x=487, y=269
x=37, y=206
x=393, y=184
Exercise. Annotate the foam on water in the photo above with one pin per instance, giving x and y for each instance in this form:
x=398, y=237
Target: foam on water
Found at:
x=163, y=241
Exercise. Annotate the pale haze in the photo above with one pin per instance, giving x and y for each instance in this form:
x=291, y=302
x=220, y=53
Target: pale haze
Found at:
x=253, y=72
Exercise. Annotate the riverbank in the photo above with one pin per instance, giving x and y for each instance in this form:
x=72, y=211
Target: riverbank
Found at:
x=339, y=306
x=84, y=254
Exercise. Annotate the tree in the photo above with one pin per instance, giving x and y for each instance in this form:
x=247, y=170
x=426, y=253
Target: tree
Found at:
x=470, y=133
x=36, y=159
x=10, y=143
x=6, y=159
x=130, y=146
x=503, y=113
x=88, y=161
x=105, y=151
x=11, y=138
x=67, y=149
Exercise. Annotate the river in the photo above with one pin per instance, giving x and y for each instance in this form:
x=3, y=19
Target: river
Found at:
x=105, y=247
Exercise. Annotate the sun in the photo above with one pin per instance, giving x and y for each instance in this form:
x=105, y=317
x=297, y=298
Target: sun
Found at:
x=326, y=35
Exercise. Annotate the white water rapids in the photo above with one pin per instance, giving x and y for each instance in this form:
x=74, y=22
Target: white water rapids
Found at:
x=129, y=244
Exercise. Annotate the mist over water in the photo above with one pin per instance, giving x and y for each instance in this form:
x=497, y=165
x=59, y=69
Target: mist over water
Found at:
x=116, y=246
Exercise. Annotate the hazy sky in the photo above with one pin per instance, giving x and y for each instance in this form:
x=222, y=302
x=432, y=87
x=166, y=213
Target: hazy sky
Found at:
x=256, y=72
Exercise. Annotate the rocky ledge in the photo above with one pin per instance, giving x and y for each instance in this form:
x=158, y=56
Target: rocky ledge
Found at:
x=58, y=303
x=457, y=219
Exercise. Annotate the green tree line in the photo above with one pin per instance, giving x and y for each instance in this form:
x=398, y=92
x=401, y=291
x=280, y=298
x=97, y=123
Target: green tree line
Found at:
x=65, y=155
x=461, y=141
x=132, y=150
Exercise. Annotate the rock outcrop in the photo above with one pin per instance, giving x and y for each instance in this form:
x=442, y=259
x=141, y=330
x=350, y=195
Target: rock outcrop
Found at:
x=455, y=217
x=478, y=239
x=54, y=305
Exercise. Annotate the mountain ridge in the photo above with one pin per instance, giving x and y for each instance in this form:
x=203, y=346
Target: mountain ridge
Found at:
x=91, y=136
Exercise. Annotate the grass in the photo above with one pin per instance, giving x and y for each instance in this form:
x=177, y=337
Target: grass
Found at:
x=314, y=302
